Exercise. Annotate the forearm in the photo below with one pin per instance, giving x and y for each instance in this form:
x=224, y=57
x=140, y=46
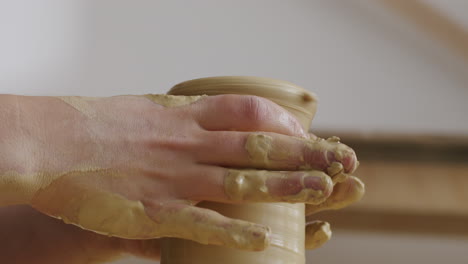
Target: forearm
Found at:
x=27, y=127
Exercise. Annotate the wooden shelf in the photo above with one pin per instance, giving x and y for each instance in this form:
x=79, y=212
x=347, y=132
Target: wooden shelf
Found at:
x=413, y=184
x=374, y=221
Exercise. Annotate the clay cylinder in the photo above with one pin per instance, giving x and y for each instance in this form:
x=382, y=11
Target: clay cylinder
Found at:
x=287, y=221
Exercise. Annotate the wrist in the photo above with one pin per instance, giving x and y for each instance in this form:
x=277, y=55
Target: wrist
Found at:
x=34, y=143
x=16, y=151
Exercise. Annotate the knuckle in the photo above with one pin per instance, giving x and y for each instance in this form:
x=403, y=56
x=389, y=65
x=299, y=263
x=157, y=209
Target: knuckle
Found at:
x=254, y=109
x=249, y=108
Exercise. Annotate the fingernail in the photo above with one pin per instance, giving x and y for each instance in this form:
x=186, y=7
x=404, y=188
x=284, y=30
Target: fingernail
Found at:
x=291, y=185
x=319, y=183
x=314, y=183
x=344, y=155
x=350, y=162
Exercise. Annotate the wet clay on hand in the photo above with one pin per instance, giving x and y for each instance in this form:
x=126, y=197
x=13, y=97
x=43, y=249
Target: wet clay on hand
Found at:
x=90, y=192
x=287, y=221
x=98, y=197
x=331, y=163
x=95, y=195
x=312, y=187
x=115, y=215
x=327, y=155
x=317, y=234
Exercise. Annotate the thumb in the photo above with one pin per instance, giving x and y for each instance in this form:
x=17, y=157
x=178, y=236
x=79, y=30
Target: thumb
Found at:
x=205, y=226
x=317, y=234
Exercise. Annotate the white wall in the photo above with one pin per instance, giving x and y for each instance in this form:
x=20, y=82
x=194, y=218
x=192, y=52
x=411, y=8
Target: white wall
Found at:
x=371, y=71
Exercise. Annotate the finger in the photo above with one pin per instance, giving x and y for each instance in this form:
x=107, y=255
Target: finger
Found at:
x=317, y=234
x=209, y=227
x=344, y=194
x=336, y=169
x=239, y=186
x=246, y=113
x=275, y=152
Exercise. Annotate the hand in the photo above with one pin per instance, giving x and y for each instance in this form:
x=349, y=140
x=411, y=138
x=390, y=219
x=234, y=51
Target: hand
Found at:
x=107, y=164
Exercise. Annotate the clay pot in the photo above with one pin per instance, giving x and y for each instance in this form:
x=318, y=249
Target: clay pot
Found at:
x=287, y=221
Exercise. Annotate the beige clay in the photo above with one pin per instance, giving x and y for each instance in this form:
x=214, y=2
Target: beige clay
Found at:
x=317, y=234
x=80, y=103
x=112, y=214
x=287, y=221
x=115, y=215
x=298, y=101
x=263, y=151
x=173, y=101
x=105, y=212
x=259, y=146
x=252, y=186
x=287, y=239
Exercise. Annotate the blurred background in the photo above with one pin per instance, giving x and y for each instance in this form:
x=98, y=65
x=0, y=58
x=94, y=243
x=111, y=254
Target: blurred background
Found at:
x=391, y=76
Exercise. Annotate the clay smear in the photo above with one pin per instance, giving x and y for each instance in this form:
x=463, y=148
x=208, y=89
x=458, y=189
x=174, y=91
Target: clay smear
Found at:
x=253, y=186
x=317, y=234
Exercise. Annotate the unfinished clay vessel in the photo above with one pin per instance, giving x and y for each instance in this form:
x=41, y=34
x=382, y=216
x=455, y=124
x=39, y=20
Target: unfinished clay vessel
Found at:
x=287, y=221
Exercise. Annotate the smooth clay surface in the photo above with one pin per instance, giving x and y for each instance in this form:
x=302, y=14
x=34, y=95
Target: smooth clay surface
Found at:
x=287, y=221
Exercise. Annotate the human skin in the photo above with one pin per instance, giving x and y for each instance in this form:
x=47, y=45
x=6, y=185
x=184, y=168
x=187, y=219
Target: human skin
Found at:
x=129, y=146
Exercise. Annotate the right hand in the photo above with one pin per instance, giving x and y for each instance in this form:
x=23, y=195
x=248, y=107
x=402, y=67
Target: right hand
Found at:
x=131, y=168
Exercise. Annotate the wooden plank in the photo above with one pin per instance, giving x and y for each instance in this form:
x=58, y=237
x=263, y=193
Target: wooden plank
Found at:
x=415, y=188
x=405, y=147
x=385, y=222
x=414, y=184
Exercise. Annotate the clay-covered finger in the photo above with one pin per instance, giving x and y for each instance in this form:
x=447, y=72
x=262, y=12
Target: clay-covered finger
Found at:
x=244, y=186
x=209, y=227
x=317, y=234
x=245, y=113
x=272, y=151
x=311, y=187
x=344, y=194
